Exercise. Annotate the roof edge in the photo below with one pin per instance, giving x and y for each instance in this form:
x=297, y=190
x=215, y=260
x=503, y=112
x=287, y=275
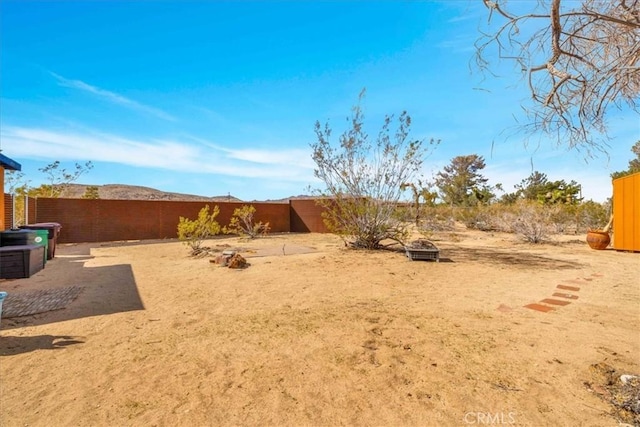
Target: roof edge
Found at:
x=9, y=164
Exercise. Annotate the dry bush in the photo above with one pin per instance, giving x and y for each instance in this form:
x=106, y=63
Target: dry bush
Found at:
x=193, y=232
x=592, y=215
x=485, y=218
x=437, y=218
x=364, y=178
x=242, y=223
x=531, y=220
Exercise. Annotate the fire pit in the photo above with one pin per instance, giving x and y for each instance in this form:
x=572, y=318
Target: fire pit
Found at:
x=422, y=250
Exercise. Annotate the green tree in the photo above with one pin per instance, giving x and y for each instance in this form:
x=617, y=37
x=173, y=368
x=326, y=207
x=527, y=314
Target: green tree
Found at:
x=364, y=179
x=533, y=186
x=537, y=187
x=561, y=193
x=91, y=192
x=461, y=184
x=634, y=164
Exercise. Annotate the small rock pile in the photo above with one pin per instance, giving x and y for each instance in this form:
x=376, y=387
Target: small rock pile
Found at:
x=230, y=259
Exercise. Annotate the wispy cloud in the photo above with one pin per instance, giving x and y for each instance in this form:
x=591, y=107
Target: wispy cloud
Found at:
x=165, y=154
x=112, y=97
x=462, y=43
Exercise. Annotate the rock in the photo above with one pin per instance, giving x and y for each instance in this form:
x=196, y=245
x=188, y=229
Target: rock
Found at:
x=626, y=379
x=237, y=261
x=222, y=260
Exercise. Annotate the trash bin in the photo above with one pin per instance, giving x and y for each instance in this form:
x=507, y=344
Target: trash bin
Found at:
x=21, y=261
x=26, y=237
x=18, y=237
x=53, y=228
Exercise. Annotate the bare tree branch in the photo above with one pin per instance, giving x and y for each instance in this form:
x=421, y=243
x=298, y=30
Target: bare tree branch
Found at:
x=580, y=60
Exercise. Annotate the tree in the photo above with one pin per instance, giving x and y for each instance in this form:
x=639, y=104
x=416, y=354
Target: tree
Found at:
x=364, y=180
x=420, y=191
x=634, y=164
x=580, y=59
x=462, y=184
x=91, y=192
x=15, y=182
x=59, y=179
x=537, y=187
x=561, y=193
x=530, y=188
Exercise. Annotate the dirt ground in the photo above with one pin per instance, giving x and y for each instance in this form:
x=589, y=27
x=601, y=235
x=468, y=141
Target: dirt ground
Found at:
x=315, y=334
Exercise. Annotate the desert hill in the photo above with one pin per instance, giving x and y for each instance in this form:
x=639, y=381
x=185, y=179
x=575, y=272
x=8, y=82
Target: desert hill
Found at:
x=135, y=192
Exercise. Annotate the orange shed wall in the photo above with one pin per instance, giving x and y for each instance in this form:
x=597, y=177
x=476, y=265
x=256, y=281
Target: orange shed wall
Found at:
x=626, y=213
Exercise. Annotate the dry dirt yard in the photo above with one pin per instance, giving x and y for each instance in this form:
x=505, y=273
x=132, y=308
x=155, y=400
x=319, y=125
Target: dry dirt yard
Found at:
x=315, y=334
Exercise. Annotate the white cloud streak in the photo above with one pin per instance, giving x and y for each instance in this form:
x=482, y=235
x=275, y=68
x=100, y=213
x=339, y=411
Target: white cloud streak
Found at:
x=112, y=97
x=287, y=165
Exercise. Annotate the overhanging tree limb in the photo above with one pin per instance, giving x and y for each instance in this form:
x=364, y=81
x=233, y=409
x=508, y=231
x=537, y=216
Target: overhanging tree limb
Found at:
x=580, y=60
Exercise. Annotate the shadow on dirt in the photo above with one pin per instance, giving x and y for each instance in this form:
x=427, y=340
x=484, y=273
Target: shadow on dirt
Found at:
x=511, y=258
x=12, y=345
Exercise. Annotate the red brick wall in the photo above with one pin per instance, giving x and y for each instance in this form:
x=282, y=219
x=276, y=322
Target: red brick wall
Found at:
x=99, y=220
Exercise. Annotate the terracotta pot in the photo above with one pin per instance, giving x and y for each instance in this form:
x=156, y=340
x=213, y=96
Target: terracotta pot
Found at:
x=598, y=239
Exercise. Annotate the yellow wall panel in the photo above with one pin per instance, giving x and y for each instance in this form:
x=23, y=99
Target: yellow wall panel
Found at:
x=626, y=213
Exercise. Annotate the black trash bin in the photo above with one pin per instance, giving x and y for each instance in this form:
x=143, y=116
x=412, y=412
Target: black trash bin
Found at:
x=20, y=237
x=25, y=238
x=54, y=231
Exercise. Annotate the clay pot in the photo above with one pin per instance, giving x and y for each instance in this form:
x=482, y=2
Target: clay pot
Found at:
x=598, y=239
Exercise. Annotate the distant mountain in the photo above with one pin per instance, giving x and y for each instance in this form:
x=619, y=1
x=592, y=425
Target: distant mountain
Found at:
x=135, y=192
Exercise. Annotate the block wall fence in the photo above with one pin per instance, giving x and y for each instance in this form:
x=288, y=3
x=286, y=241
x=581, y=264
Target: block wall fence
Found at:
x=100, y=220
x=8, y=211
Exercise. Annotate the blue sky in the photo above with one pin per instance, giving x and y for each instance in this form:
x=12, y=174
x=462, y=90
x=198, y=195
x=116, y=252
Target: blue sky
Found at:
x=212, y=98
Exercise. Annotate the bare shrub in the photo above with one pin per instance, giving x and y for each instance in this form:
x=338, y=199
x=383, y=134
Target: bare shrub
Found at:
x=436, y=219
x=483, y=218
x=440, y=218
x=563, y=218
x=592, y=215
x=532, y=221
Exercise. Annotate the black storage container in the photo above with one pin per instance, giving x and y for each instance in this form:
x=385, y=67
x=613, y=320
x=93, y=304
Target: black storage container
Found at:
x=21, y=261
x=54, y=231
x=19, y=237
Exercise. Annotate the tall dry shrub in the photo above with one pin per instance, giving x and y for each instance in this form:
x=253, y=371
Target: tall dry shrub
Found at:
x=242, y=223
x=532, y=221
